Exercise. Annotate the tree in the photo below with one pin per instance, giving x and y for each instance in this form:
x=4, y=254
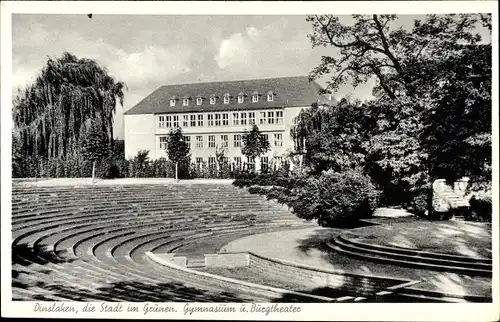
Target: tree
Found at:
x=331, y=137
x=177, y=149
x=50, y=116
x=95, y=144
x=221, y=159
x=457, y=128
x=433, y=90
x=254, y=144
x=371, y=48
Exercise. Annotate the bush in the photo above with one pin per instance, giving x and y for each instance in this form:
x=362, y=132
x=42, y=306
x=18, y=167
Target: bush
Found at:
x=419, y=203
x=279, y=178
x=480, y=209
x=112, y=172
x=335, y=198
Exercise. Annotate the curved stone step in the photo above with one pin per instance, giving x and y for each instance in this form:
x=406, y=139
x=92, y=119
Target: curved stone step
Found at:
x=388, y=258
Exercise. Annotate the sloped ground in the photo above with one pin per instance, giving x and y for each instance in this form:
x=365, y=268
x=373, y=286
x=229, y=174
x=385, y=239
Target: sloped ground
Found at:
x=307, y=247
x=450, y=237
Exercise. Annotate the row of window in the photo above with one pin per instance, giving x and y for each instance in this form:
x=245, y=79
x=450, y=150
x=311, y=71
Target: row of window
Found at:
x=226, y=99
x=264, y=162
x=219, y=119
x=224, y=140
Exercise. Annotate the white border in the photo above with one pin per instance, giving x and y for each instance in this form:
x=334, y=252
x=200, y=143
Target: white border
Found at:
x=368, y=311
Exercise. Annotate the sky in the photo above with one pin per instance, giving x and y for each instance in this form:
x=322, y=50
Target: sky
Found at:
x=147, y=51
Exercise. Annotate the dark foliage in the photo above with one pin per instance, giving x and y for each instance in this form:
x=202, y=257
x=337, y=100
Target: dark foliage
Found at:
x=480, y=209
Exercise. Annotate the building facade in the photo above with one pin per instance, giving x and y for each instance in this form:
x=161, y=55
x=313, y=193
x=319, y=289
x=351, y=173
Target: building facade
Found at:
x=214, y=116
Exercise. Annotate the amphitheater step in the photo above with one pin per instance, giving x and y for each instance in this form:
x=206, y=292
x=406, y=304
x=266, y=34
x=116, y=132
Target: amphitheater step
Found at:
x=408, y=258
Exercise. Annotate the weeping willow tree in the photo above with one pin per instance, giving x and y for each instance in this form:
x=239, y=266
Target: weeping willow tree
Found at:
x=51, y=115
x=330, y=137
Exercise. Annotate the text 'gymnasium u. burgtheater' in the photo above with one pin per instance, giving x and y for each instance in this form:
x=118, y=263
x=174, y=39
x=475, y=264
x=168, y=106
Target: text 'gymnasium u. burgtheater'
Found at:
x=215, y=115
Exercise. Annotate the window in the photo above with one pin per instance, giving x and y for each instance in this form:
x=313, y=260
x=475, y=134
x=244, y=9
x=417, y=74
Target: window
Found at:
x=199, y=162
x=211, y=163
x=199, y=101
x=217, y=119
x=237, y=140
x=237, y=161
x=185, y=120
x=211, y=141
x=270, y=97
x=294, y=120
x=176, y=121
x=263, y=119
x=279, y=117
x=255, y=98
x=187, y=140
x=161, y=121
x=236, y=119
x=200, y=119
x=241, y=99
x=172, y=102
x=270, y=117
x=278, y=139
x=264, y=164
x=278, y=162
x=185, y=101
x=213, y=100
x=266, y=137
x=192, y=117
x=251, y=118
x=225, y=119
x=226, y=99
x=224, y=141
x=210, y=120
x=199, y=141
x=243, y=118
x=169, y=121
x=163, y=142
x=250, y=163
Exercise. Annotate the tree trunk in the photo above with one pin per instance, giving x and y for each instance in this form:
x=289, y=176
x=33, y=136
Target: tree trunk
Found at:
x=93, y=171
x=177, y=171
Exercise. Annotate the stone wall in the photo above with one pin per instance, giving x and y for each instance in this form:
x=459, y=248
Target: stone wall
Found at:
x=227, y=260
x=355, y=285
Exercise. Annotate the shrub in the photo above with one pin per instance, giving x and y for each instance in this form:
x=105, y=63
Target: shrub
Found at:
x=480, y=209
x=280, y=178
x=419, y=202
x=112, y=172
x=334, y=198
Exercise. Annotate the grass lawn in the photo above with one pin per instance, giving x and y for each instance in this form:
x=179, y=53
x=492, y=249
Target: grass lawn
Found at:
x=449, y=237
x=307, y=247
x=249, y=275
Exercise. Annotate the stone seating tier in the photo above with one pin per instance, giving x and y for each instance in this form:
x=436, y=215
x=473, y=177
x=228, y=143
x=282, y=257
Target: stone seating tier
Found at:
x=89, y=243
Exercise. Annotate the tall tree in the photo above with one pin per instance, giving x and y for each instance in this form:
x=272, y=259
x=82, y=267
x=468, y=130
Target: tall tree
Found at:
x=50, y=115
x=371, y=47
x=177, y=149
x=95, y=144
x=432, y=114
x=331, y=137
x=254, y=144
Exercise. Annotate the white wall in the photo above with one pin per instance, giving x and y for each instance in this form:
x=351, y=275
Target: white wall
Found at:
x=142, y=133
x=139, y=134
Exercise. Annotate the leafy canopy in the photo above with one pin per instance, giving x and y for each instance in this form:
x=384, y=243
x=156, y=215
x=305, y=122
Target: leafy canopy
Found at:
x=50, y=116
x=95, y=144
x=177, y=147
x=431, y=116
x=254, y=143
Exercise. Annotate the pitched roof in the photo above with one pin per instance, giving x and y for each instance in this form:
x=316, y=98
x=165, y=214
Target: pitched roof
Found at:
x=289, y=92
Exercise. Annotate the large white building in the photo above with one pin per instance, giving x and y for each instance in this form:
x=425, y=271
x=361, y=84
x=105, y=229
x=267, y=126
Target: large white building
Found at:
x=215, y=116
